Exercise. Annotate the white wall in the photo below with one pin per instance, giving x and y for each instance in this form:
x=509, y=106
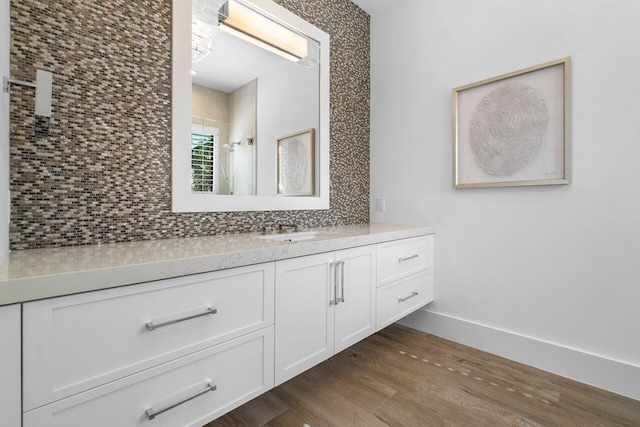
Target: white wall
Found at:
x=557, y=265
x=287, y=103
x=242, y=116
x=4, y=131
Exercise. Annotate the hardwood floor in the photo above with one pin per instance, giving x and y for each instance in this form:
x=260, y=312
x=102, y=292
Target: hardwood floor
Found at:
x=403, y=377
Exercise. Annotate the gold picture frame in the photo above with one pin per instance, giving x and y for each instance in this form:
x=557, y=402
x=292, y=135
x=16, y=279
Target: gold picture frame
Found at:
x=514, y=129
x=296, y=164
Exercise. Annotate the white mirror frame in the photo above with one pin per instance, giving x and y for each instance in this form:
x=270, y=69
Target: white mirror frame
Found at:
x=182, y=198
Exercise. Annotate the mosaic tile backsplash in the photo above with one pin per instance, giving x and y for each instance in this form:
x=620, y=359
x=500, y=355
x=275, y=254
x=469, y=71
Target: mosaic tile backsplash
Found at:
x=100, y=170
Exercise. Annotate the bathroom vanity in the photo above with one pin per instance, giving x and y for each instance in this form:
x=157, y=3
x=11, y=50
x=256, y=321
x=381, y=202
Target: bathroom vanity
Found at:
x=179, y=332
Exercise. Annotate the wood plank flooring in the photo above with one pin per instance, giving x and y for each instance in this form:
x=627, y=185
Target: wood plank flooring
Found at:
x=403, y=377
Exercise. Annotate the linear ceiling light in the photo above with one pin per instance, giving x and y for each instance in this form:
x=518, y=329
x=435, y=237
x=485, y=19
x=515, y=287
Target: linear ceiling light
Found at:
x=248, y=24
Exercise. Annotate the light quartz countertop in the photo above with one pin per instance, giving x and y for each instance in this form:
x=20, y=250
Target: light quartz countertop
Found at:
x=44, y=273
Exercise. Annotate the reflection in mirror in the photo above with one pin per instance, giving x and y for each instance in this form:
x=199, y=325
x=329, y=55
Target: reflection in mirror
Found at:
x=229, y=120
x=258, y=74
x=238, y=79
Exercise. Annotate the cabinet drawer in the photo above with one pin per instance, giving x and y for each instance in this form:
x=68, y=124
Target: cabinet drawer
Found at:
x=403, y=257
x=400, y=298
x=75, y=343
x=217, y=380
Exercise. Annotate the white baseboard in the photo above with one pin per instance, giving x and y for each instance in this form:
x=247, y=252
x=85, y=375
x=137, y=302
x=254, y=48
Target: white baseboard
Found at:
x=602, y=372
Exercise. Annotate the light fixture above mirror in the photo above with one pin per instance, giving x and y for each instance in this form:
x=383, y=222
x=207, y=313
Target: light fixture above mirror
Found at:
x=250, y=25
x=280, y=108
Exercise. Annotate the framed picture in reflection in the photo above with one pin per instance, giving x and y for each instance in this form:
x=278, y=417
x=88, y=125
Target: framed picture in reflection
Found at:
x=296, y=164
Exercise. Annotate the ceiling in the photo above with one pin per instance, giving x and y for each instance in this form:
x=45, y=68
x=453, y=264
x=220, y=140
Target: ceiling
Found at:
x=373, y=6
x=234, y=63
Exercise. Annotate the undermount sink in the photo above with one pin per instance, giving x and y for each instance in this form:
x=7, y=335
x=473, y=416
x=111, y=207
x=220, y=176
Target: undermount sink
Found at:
x=291, y=237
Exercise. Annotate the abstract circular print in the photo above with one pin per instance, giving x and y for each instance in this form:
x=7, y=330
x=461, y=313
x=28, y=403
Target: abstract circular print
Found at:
x=294, y=161
x=508, y=128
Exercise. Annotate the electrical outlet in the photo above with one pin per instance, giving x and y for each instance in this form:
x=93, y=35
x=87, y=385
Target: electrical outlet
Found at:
x=380, y=204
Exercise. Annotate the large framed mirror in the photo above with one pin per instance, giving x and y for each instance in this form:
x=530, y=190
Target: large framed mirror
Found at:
x=250, y=108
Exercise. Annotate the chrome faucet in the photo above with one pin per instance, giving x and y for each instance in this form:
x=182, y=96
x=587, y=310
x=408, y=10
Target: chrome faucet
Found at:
x=269, y=229
x=288, y=228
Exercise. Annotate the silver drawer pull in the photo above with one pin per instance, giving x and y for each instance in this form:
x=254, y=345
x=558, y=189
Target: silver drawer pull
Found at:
x=151, y=413
x=333, y=279
x=153, y=326
x=408, y=258
x=413, y=294
x=341, y=267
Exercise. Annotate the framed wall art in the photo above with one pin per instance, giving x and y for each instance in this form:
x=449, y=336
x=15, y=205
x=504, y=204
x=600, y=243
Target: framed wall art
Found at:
x=296, y=164
x=514, y=129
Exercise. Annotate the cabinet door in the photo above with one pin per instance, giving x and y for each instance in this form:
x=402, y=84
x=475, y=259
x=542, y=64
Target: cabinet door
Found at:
x=355, y=314
x=304, y=316
x=10, y=406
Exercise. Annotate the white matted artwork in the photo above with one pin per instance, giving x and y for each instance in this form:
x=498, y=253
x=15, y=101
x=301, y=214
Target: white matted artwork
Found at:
x=514, y=129
x=296, y=164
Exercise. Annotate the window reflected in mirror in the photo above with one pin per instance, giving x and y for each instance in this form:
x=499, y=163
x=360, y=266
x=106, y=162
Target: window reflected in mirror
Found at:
x=203, y=160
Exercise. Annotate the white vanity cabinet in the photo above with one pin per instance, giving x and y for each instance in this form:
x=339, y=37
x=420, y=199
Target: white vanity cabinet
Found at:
x=405, y=278
x=10, y=406
x=183, y=351
x=324, y=304
x=150, y=346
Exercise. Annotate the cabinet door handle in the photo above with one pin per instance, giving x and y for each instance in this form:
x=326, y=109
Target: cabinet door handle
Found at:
x=152, y=326
x=151, y=413
x=403, y=259
x=334, y=279
x=341, y=267
x=401, y=299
